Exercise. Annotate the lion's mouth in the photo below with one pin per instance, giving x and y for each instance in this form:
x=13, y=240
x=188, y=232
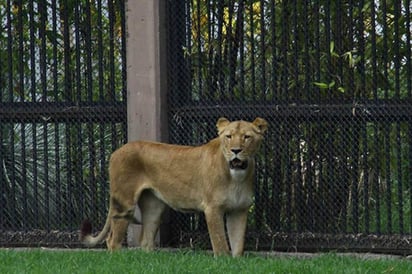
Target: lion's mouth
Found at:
x=238, y=164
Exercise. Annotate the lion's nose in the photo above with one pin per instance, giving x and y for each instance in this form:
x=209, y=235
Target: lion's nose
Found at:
x=236, y=150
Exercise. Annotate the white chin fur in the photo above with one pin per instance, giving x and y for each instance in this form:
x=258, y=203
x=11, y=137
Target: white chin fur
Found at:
x=238, y=174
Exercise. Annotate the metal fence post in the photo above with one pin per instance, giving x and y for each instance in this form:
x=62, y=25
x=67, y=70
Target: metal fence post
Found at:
x=146, y=80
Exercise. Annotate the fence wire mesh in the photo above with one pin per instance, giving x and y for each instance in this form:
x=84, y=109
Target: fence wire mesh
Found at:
x=334, y=80
x=62, y=112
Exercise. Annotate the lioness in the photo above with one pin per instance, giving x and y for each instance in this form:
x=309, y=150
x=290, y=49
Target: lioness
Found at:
x=215, y=178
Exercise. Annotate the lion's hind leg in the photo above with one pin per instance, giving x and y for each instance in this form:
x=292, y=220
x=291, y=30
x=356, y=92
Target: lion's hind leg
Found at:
x=152, y=209
x=122, y=212
x=117, y=233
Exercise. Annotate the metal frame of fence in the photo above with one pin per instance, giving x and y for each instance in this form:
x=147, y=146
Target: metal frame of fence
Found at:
x=332, y=78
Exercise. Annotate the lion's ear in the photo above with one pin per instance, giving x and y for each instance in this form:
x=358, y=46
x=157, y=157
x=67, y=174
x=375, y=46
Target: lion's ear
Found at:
x=221, y=124
x=261, y=124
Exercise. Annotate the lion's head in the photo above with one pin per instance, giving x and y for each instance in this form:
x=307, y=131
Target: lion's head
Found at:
x=240, y=140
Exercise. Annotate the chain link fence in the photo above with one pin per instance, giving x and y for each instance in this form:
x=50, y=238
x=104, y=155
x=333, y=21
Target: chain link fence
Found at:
x=332, y=78
x=62, y=112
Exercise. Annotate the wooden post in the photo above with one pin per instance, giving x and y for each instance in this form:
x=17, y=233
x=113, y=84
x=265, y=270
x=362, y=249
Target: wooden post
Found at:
x=146, y=77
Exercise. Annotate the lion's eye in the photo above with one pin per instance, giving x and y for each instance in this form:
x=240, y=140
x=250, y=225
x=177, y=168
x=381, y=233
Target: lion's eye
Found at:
x=229, y=136
x=247, y=137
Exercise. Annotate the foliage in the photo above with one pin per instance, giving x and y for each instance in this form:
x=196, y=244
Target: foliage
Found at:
x=280, y=50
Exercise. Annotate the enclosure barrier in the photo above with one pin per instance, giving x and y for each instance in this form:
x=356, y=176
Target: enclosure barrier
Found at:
x=333, y=78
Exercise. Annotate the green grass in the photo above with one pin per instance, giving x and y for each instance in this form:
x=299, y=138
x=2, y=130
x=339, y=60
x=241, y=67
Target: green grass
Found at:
x=135, y=261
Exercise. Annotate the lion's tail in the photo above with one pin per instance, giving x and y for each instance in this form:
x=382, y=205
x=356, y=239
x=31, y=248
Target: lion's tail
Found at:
x=86, y=233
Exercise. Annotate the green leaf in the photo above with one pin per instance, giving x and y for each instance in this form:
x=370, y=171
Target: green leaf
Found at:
x=321, y=85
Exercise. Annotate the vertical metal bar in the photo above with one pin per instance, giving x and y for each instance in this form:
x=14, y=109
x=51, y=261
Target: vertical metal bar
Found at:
x=408, y=26
x=385, y=44
x=376, y=188
x=92, y=184
x=67, y=52
x=112, y=21
x=328, y=40
x=399, y=176
x=55, y=47
x=100, y=62
x=339, y=40
x=284, y=53
x=112, y=74
x=10, y=75
x=388, y=197
x=386, y=127
x=219, y=77
x=88, y=52
x=78, y=54
x=78, y=194
x=56, y=139
x=43, y=79
x=299, y=200
x=4, y=210
x=263, y=88
x=317, y=76
x=409, y=173
x=397, y=61
x=330, y=182
x=3, y=79
x=9, y=26
x=363, y=129
x=376, y=145
x=409, y=96
x=354, y=177
x=33, y=61
x=58, y=182
x=308, y=139
x=103, y=177
x=296, y=96
x=307, y=64
x=21, y=91
x=199, y=48
x=365, y=170
x=274, y=67
x=288, y=186
x=122, y=14
x=210, y=32
x=91, y=187
x=188, y=45
x=36, y=204
x=252, y=49
x=310, y=177
x=67, y=209
x=241, y=40
x=374, y=51
x=103, y=184
x=233, y=45
x=21, y=87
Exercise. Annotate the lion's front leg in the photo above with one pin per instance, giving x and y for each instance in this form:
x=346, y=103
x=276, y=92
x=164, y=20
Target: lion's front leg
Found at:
x=216, y=227
x=236, y=227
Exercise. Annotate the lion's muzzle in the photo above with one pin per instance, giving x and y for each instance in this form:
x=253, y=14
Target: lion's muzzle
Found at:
x=236, y=163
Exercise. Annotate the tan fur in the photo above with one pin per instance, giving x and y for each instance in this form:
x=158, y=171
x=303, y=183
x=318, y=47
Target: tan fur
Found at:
x=202, y=178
